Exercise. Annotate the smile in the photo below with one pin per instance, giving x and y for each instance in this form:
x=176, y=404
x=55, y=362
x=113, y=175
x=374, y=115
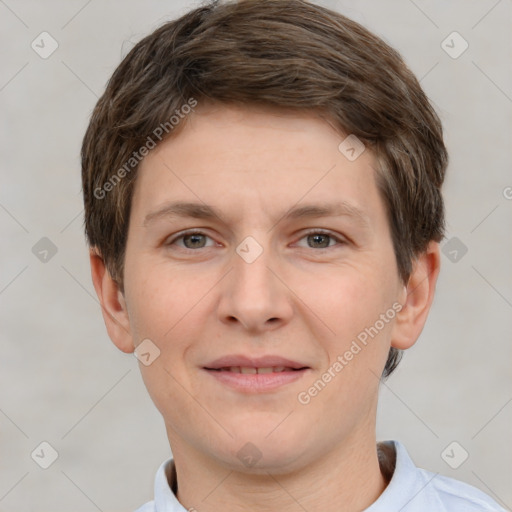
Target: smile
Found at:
x=251, y=370
x=253, y=380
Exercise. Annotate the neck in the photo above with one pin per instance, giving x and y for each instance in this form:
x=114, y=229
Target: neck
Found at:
x=346, y=478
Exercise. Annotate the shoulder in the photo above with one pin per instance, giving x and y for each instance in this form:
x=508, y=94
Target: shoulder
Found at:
x=147, y=507
x=456, y=495
x=412, y=489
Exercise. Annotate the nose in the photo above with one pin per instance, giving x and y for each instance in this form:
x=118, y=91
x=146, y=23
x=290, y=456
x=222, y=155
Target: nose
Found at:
x=253, y=296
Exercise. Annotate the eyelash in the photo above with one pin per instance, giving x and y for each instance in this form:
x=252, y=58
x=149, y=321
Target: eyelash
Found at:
x=308, y=233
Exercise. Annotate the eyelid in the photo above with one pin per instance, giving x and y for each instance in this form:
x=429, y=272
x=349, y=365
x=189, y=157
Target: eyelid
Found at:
x=177, y=236
x=313, y=231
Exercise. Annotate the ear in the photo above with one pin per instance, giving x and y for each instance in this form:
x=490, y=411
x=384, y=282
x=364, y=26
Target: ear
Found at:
x=113, y=305
x=417, y=298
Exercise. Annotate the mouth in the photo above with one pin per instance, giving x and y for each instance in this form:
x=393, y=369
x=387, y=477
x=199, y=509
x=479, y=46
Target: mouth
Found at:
x=250, y=370
x=257, y=375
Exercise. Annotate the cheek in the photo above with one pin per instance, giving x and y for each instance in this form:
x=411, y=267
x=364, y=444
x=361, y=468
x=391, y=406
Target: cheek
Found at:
x=160, y=299
x=166, y=311
x=351, y=296
x=351, y=305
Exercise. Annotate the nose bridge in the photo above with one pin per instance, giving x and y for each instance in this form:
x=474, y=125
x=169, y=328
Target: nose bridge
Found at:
x=252, y=294
x=252, y=274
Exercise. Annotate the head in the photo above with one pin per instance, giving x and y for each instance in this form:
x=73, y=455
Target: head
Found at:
x=248, y=109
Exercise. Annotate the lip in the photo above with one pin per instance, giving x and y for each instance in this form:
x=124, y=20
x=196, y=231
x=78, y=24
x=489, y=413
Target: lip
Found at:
x=253, y=362
x=257, y=382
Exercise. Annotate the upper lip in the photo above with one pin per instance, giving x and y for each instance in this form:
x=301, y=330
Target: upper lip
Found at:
x=253, y=362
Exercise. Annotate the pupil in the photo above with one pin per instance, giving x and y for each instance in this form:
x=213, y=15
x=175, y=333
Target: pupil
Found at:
x=195, y=241
x=318, y=239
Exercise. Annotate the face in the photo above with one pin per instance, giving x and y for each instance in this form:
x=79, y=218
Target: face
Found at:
x=259, y=262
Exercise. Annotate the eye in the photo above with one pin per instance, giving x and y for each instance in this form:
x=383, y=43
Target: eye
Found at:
x=321, y=240
x=192, y=240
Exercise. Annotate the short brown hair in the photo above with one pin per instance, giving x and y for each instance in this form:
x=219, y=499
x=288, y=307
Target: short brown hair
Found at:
x=280, y=53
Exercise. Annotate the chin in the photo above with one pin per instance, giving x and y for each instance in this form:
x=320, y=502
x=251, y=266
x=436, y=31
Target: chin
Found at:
x=257, y=452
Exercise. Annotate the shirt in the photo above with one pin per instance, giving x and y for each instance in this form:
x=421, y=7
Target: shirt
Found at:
x=410, y=489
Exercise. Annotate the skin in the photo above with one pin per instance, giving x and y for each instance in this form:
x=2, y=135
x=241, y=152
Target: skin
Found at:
x=304, y=298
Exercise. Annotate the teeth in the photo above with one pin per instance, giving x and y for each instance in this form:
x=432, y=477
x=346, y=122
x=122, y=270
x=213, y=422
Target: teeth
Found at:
x=251, y=370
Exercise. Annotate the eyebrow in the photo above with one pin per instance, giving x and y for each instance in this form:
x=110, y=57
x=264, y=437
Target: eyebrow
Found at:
x=204, y=211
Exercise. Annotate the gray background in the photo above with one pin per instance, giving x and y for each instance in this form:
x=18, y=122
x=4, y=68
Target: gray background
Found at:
x=61, y=379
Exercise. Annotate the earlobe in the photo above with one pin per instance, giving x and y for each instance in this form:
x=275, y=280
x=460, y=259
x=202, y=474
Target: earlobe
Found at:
x=417, y=298
x=113, y=305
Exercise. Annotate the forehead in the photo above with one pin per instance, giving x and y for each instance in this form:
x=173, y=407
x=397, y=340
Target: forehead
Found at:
x=254, y=158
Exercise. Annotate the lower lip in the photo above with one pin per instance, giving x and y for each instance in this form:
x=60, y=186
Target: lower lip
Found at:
x=257, y=382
